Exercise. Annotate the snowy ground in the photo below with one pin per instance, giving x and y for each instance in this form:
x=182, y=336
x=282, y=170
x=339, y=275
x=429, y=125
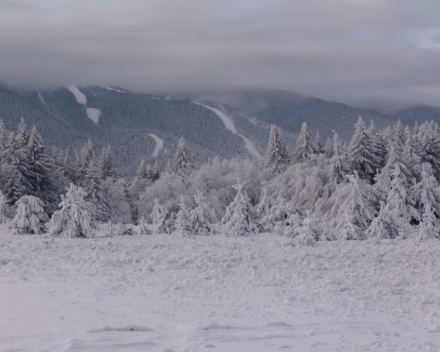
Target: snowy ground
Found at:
x=165, y=293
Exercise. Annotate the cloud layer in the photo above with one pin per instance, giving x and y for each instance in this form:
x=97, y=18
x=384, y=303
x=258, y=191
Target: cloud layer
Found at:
x=344, y=50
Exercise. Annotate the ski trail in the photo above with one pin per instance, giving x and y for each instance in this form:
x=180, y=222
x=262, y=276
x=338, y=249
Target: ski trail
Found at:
x=41, y=98
x=158, y=147
x=229, y=124
x=92, y=113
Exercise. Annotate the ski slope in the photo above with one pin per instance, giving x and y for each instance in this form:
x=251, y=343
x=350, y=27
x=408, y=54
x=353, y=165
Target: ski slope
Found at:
x=92, y=113
x=215, y=293
x=159, y=145
x=229, y=124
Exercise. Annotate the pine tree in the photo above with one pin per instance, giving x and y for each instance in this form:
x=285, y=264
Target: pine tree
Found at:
x=361, y=153
x=240, y=218
x=277, y=158
x=30, y=217
x=183, y=222
x=328, y=149
x=92, y=185
x=86, y=157
x=201, y=217
x=183, y=163
x=352, y=210
x=74, y=219
x=305, y=146
x=426, y=194
x=159, y=218
x=3, y=208
x=106, y=164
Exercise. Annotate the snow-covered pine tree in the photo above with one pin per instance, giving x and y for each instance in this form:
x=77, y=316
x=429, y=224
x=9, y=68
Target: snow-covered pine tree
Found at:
x=318, y=143
x=426, y=194
x=277, y=158
x=305, y=146
x=106, y=164
x=143, y=227
x=30, y=217
x=159, y=218
x=183, y=222
x=362, y=153
x=303, y=231
x=183, y=163
x=201, y=217
x=86, y=156
x=74, y=219
x=383, y=225
x=117, y=199
x=328, y=149
x=92, y=184
x=352, y=210
x=240, y=218
x=3, y=208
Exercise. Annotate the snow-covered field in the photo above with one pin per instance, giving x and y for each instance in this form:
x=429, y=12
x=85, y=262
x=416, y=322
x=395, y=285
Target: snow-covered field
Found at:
x=258, y=293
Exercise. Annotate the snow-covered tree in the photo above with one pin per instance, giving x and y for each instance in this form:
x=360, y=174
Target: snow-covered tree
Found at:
x=183, y=163
x=305, y=145
x=277, y=158
x=117, y=199
x=160, y=218
x=361, y=152
x=30, y=217
x=240, y=218
x=106, y=164
x=201, y=217
x=144, y=228
x=183, y=222
x=352, y=210
x=3, y=208
x=426, y=194
x=74, y=219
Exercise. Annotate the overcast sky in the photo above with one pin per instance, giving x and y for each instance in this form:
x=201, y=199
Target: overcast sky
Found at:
x=344, y=50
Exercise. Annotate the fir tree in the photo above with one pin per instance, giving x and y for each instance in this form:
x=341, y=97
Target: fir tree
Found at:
x=201, y=217
x=305, y=146
x=183, y=163
x=277, y=158
x=74, y=219
x=30, y=217
x=240, y=218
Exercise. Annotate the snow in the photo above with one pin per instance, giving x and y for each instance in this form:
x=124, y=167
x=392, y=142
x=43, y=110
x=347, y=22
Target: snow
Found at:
x=258, y=293
x=79, y=96
x=229, y=124
x=159, y=145
x=93, y=114
x=41, y=98
x=113, y=89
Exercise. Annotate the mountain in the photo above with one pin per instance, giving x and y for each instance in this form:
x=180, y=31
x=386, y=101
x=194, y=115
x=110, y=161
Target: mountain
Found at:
x=418, y=113
x=139, y=126
x=136, y=125
x=288, y=110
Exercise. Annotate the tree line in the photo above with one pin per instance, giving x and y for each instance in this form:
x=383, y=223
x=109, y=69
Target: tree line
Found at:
x=383, y=184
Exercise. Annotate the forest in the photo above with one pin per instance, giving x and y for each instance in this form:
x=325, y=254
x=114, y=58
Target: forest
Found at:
x=381, y=185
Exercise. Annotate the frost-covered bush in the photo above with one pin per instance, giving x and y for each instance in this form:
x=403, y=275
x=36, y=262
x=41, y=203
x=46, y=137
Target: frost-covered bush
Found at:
x=30, y=217
x=74, y=219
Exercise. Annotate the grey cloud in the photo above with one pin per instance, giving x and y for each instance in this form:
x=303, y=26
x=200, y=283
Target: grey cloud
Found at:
x=343, y=50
